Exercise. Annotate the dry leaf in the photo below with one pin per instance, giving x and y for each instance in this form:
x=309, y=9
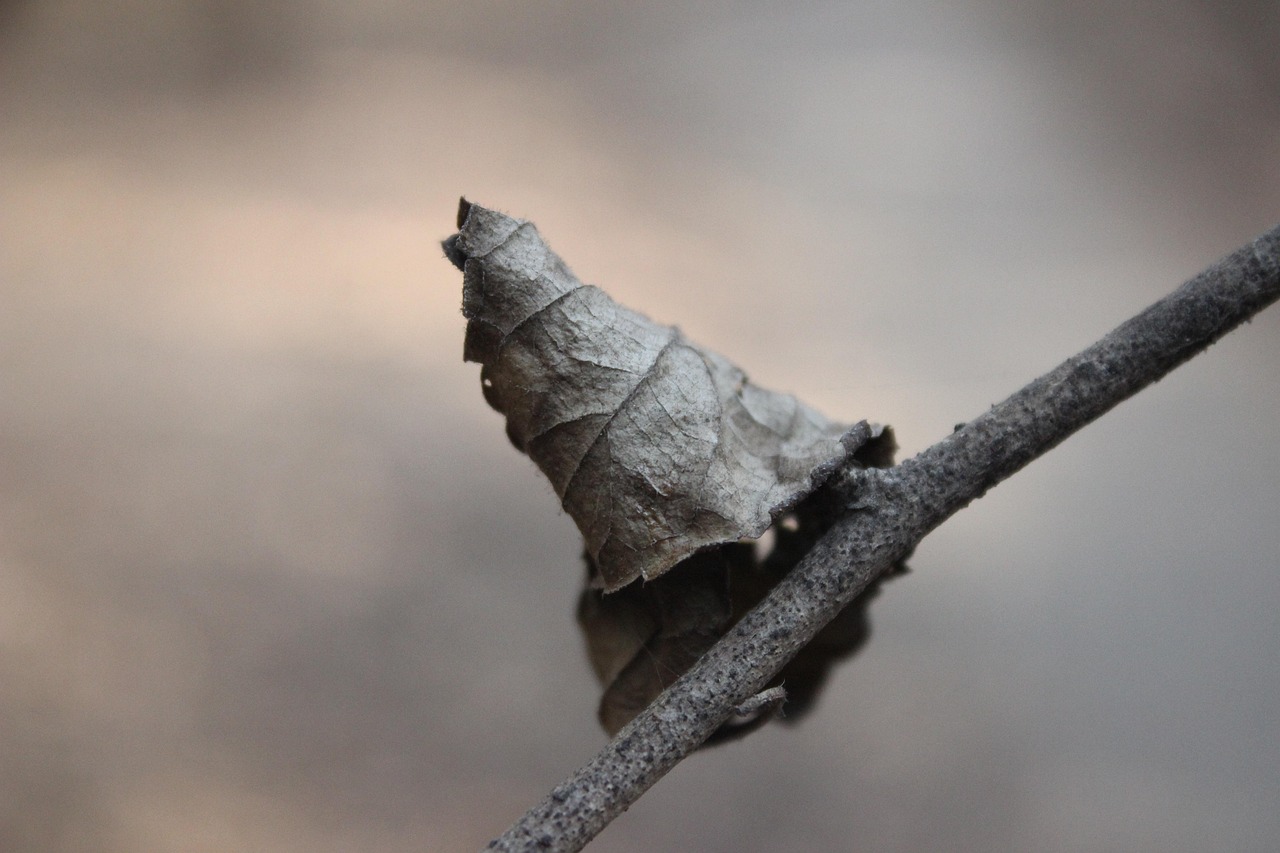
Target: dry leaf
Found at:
x=642, y=638
x=656, y=447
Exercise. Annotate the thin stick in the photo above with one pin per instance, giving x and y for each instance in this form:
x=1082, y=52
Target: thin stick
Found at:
x=889, y=512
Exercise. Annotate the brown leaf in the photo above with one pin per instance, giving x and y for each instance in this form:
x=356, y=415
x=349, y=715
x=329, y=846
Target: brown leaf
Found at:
x=656, y=447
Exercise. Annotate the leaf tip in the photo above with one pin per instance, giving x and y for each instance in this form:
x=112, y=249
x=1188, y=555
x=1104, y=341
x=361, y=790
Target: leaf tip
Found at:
x=452, y=251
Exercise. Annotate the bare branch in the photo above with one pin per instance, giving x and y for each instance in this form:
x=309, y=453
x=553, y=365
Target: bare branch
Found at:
x=889, y=512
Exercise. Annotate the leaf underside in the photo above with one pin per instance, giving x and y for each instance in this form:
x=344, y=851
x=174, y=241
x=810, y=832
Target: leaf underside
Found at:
x=642, y=638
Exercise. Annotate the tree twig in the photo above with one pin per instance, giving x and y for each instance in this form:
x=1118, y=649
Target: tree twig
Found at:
x=888, y=512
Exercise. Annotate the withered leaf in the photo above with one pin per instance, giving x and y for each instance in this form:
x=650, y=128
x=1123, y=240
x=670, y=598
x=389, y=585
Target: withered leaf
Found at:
x=656, y=447
x=642, y=638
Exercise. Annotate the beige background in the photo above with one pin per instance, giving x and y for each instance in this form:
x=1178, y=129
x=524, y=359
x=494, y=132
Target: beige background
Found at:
x=271, y=577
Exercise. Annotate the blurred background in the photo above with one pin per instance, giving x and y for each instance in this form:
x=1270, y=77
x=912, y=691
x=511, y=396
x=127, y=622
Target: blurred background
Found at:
x=272, y=578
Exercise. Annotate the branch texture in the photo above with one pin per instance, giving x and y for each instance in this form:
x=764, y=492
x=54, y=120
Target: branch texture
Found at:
x=887, y=513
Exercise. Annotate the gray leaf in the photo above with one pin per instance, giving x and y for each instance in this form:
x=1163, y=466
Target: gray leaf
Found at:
x=656, y=447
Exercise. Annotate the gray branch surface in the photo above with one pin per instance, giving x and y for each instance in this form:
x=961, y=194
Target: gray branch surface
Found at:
x=888, y=512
